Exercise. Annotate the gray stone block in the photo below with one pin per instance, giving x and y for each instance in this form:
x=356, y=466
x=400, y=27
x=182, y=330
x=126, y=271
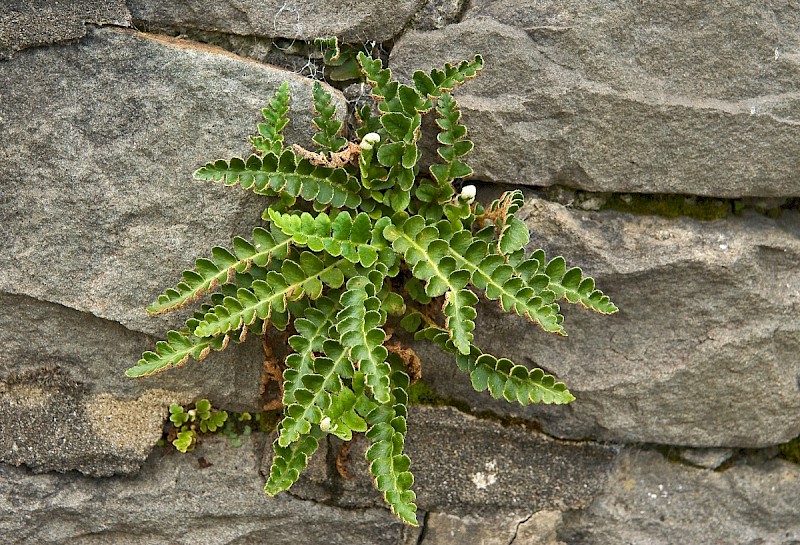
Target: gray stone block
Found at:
x=651, y=500
x=626, y=98
x=213, y=496
x=353, y=22
x=461, y=463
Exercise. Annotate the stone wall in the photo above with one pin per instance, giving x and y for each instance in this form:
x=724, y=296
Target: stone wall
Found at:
x=659, y=147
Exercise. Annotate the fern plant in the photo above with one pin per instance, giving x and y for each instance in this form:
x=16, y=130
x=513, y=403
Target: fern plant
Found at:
x=358, y=244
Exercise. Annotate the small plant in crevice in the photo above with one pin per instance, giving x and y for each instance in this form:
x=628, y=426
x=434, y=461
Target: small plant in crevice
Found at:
x=187, y=426
x=341, y=61
x=360, y=244
x=189, y=423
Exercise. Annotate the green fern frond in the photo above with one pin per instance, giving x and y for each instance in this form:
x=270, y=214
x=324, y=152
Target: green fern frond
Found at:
x=290, y=461
x=309, y=400
x=441, y=263
x=569, y=284
x=503, y=379
x=313, y=388
x=436, y=83
x=390, y=94
x=270, y=139
x=387, y=430
x=209, y=273
x=430, y=261
x=296, y=279
x=459, y=312
x=374, y=245
x=515, y=383
x=340, y=417
x=356, y=239
x=275, y=174
x=312, y=329
x=176, y=350
x=400, y=124
x=328, y=127
x=489, y=271
x=359, y=327
x=454, y=143
x=400, y=152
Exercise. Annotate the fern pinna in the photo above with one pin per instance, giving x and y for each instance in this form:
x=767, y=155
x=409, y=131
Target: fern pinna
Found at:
x=358, y=244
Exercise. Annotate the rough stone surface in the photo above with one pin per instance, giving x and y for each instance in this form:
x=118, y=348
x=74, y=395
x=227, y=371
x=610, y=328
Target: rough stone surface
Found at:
x=704, y=352
x=710, y=458
x=66, y=404
x=212, y=496
x=627, y=97
x=100, y=213
x=491, y=529
x=354, y=21
x=461, y=463
x=28, y=23
x=650, y=500
x=436, y=14
x=39, y=336
x=51, y=424
x=499, y=529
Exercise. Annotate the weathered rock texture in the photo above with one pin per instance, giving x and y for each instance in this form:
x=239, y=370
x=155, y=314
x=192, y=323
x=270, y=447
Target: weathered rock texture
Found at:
x=354, y=21
x=99, y=134
x=650, y=500
x=98, y=145
x=454, y=475
x=605, y=96
x=213, y=496
x=705, y=351
x=27, y=23
x=522, y=529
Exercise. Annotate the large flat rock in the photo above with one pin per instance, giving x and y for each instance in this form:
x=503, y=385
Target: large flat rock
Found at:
x=66, y=405
x=213, y=496
x=461, y=463
x=99, y=140
x=354, y=21
x=704, y=352
x=627, y=98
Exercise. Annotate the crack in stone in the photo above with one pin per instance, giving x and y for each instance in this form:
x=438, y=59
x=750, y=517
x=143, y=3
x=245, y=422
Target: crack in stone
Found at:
x=36, y=299
x=423, y=528
x=516, y=528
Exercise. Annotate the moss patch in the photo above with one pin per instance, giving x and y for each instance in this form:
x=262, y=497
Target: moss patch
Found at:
x=420, y=393
x=791, y=450
x=671, y=206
